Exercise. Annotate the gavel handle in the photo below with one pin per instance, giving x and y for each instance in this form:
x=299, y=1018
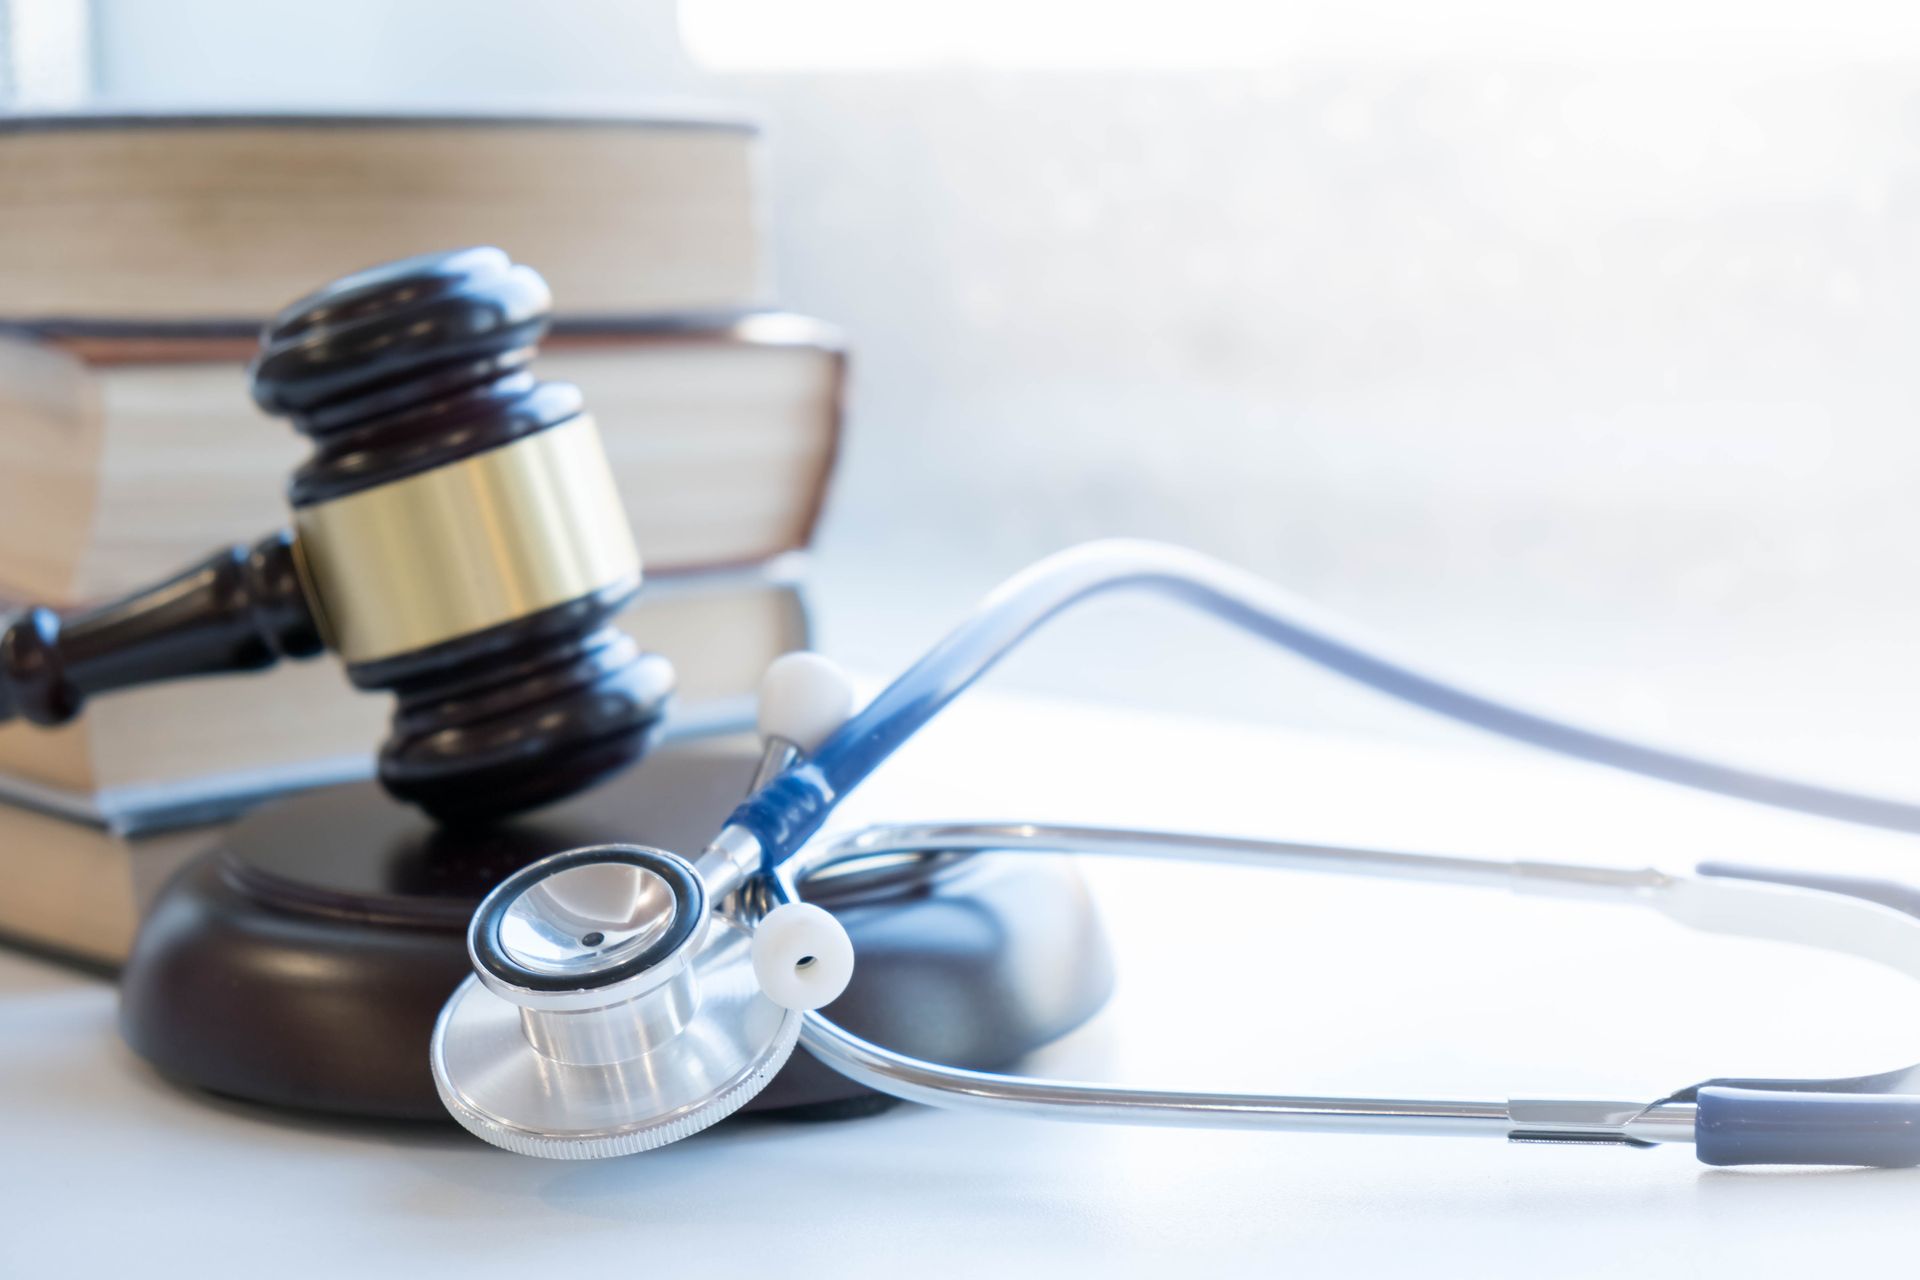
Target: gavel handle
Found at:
x=239, y=609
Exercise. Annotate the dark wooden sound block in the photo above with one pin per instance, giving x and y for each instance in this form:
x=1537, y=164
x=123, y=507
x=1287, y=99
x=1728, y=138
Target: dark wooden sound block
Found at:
x=304, y=961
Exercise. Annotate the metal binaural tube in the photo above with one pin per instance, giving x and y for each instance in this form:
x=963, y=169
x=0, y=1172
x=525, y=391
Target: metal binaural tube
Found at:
x=1554, y=1120
x=1624, y=884
x=1664, y=1122
x=958, y=1088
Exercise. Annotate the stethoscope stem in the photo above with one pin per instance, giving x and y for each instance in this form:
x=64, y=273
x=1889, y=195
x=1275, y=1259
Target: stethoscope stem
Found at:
x=729, y=861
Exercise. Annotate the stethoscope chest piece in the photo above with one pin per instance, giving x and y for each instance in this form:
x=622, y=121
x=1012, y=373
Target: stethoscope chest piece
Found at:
x=609, y=1012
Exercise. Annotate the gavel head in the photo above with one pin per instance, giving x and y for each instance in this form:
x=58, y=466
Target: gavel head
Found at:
x=458, y=533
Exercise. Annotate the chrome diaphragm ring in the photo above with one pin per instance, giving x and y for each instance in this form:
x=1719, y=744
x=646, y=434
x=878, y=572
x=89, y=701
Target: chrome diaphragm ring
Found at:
x=496, y=1084
x=579, y=929
x=609, y=1010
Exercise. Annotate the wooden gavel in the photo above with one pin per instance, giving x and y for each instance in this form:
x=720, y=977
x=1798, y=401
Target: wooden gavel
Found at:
x=457, y=538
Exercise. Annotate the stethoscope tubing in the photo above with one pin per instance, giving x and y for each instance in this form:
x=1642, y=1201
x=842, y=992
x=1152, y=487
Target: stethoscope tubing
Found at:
x=769, y=849
x=786, y=813
x=1769, y=1120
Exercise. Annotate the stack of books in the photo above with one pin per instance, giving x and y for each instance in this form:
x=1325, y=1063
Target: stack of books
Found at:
x=138, y=260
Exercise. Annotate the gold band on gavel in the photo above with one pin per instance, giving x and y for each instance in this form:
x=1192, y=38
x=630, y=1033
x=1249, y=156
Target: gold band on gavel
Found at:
x=467, y=546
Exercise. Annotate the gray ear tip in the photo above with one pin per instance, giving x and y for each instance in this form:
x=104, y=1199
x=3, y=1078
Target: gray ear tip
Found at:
x=1769, y=1126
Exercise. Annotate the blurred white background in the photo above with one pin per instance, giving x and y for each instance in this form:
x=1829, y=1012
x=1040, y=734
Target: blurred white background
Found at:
x=1566, y=344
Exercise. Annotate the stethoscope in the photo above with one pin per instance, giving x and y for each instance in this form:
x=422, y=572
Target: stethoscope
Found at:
x=624, y=997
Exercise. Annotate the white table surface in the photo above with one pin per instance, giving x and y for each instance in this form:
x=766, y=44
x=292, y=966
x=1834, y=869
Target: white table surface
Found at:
x=1228, y=978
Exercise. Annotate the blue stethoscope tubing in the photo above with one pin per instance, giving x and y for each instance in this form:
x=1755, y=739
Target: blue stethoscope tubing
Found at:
x=783, y=815
x=1870, y=1120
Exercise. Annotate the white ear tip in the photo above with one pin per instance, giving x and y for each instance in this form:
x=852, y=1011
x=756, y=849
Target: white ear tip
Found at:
x=803, y=699
x=801, y=955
